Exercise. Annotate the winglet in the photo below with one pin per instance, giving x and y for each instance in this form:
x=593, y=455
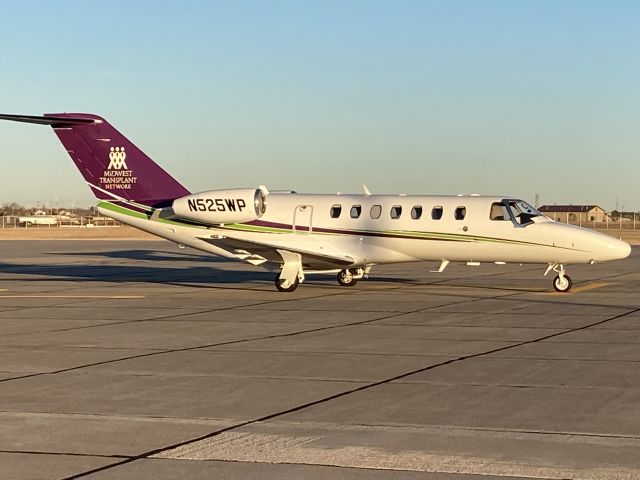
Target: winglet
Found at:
x=366, y=190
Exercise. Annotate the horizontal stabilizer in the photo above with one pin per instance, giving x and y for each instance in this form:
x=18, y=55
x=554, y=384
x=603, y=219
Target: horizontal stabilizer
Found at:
x=55, y=122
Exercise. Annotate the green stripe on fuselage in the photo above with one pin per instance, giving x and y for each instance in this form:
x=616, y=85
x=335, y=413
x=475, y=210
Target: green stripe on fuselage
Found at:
x=122, y=210
x=389, y=233
x=418, y=235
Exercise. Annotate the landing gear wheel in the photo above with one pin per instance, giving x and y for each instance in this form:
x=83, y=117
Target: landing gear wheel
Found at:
x=562, y=284
x=346, y=278
x=286, y=286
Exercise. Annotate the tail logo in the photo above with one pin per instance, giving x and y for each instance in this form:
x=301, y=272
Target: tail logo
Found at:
x=117, y=157
x=117, y=175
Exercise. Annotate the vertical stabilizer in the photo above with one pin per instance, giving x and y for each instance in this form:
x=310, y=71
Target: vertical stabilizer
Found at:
x=113, y=166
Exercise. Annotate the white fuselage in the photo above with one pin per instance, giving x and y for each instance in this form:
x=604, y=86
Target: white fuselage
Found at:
x=465, y=232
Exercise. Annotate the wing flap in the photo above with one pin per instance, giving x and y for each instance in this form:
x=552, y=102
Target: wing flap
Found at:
x=258, y=252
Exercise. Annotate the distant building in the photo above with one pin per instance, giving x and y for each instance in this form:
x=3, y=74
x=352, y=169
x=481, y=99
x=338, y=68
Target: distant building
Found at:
x=575, y=213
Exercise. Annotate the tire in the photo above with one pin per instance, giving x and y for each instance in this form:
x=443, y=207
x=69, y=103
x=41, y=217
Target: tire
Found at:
x=560, y=286
x=346, y=279
x=289, y=288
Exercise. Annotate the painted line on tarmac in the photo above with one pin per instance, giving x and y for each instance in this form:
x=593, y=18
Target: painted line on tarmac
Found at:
x=590, y=286
x=104, y=297
x=583, y=288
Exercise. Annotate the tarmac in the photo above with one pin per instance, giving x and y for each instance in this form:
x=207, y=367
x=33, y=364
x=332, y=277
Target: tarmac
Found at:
x=136, y=359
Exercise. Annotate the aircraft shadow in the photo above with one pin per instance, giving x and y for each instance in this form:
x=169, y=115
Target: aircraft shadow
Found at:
x=142, y=254
x=205, y=273
x=184, y=268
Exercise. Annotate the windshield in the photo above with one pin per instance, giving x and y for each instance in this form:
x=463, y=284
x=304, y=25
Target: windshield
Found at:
x=522, y=212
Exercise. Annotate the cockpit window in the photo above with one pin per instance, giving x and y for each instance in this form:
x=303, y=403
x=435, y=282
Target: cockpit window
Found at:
x=522, y=212
x=499, y=211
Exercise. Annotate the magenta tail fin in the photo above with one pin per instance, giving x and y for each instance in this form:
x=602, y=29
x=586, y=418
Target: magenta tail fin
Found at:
x=113, y=166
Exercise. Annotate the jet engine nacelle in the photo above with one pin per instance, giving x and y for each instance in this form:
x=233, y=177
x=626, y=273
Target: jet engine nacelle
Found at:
x=222, y=206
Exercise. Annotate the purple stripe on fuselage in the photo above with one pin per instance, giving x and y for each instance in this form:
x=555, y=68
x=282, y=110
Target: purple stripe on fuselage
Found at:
x=262, y=223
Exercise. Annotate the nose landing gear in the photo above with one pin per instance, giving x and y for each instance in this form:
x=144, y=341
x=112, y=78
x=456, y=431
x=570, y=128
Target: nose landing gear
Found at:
x=562, y=283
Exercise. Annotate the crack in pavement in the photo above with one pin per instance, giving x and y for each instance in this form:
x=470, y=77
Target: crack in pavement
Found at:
x=342, y=394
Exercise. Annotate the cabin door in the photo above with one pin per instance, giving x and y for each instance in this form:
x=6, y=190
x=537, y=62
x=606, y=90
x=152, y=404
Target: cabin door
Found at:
x=302, y=216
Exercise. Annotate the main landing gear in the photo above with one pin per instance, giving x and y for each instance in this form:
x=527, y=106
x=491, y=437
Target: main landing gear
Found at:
x=562, y=283
x=291, y=274
x=289, y=278
x=284, y=285
x=349, y=277
x=346, y=278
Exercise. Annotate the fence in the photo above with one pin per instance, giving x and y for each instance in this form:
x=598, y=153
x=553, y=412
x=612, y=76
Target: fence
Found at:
x=603, y=221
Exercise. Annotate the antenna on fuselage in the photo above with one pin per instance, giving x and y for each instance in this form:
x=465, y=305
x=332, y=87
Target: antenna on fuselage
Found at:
x=366, y=190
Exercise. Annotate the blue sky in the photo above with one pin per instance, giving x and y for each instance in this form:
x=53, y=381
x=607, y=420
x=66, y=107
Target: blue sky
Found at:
x=432, y=97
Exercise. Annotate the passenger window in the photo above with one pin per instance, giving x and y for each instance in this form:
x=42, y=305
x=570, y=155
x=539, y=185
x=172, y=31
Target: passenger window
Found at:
x=396, y=211
x=460, y=213
x=336, y=210
x=416, y=212
x=498, y=212
x=356, y=210
x=436, y=213
x=376, y=211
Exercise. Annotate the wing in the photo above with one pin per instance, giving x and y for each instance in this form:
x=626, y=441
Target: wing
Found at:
x=256, y=253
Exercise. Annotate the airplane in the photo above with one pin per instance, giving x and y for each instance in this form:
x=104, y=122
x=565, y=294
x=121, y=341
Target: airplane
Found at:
x=299, y=234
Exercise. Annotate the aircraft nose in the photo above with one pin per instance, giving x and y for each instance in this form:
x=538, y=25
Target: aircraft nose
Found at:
x=614, y=249
x=624, y=249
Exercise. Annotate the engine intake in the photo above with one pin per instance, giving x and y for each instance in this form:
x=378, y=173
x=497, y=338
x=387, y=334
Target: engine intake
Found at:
x=222, y=206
